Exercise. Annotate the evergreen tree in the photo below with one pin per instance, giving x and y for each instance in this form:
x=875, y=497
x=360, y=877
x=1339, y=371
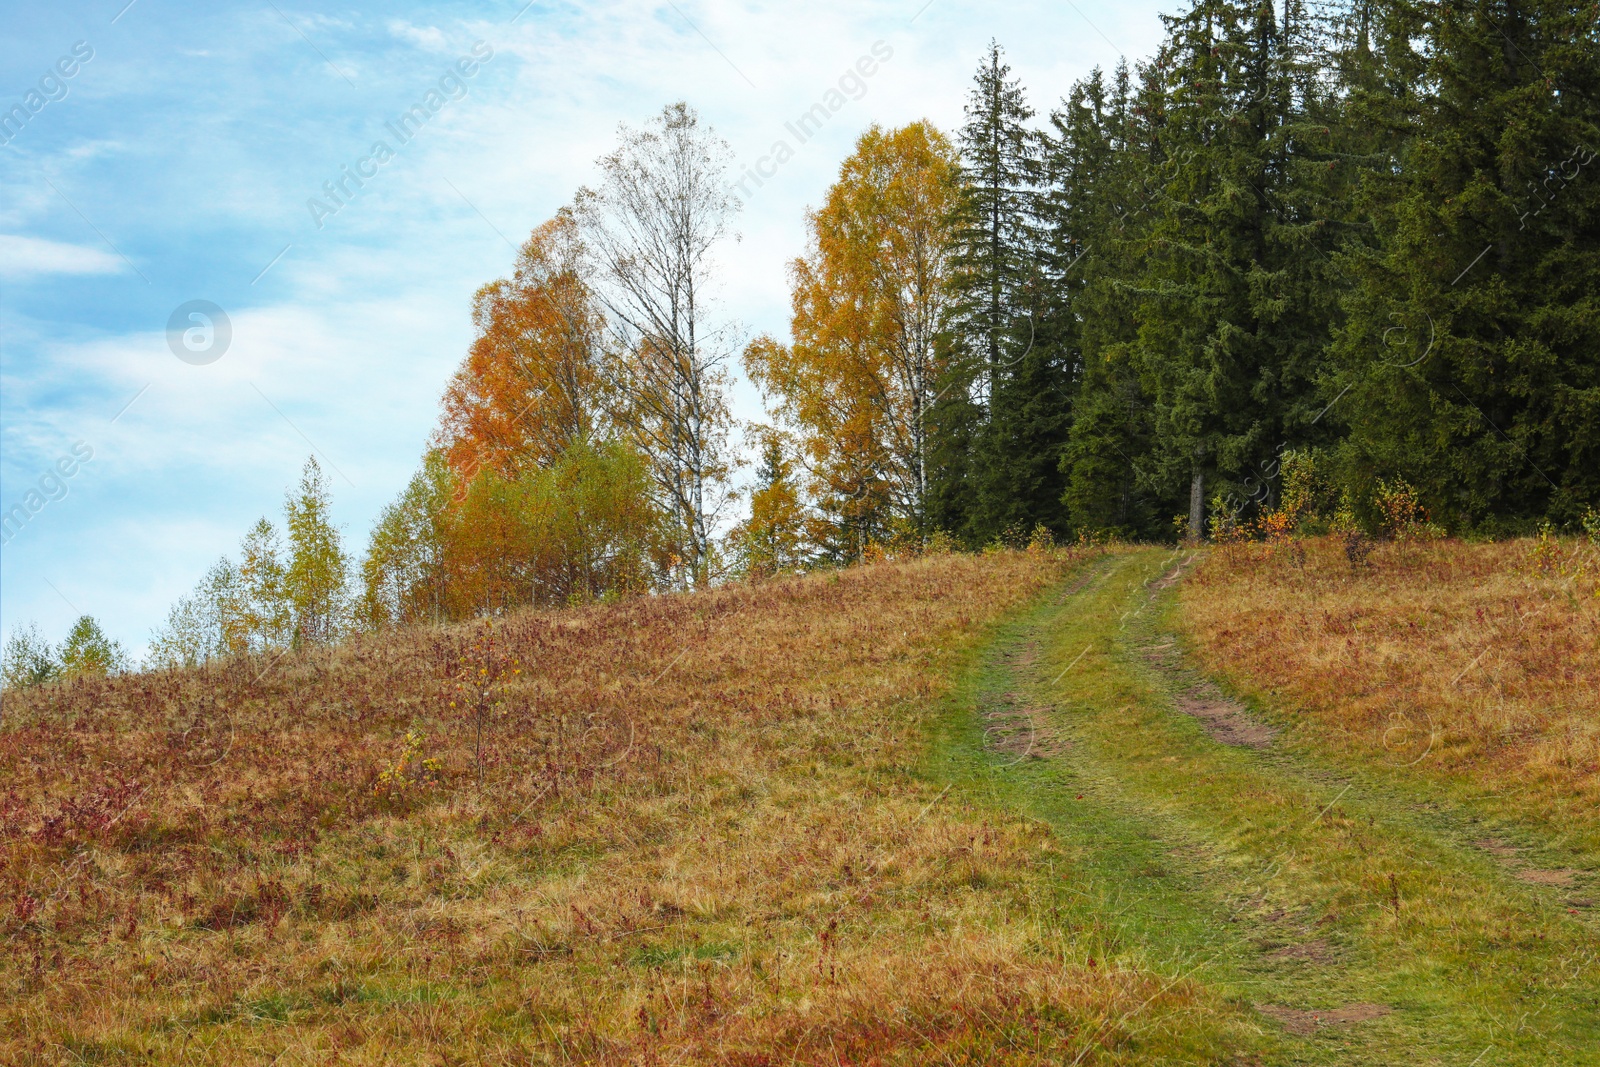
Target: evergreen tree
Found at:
x=1230, y=282
x=1098, y=164
x=1470, y=351
x=1004, y=412
x=994, y=233
x=955, y=420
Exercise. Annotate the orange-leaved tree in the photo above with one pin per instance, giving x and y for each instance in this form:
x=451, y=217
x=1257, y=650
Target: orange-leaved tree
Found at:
x=869, y=301
x=529, y=495
x=531, y=383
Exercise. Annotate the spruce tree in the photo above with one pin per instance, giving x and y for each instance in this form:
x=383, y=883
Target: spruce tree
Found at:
x=1097, y=158
x=994, y=231
x=1231, y=279
x=1470, y=350
x=1005, y=411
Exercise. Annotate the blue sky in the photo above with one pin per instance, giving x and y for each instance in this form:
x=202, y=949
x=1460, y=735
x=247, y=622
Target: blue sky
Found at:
x=175, y=164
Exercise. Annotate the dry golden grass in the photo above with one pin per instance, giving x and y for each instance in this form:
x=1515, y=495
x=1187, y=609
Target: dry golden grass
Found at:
x=701, y=837
x=1476, y=662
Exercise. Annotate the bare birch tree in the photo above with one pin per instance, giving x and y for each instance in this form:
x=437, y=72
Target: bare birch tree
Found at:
x=662, y=207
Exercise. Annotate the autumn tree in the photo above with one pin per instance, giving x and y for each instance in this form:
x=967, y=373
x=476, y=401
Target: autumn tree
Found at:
x=261, y=617
x=204, y=624
x=268, y=601
x=652, y=225
x=869, y=300
x=317, y=576
x=582, y=528
x=773, y=539
x=234, y=610
x=89, y=653
x=530, y=385
x=403, y=575
x=28, y=659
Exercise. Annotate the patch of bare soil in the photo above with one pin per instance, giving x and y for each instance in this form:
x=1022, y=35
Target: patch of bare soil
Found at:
x=1021, y=729
x=1510, y=856
x=1318, y=951
x=1177, y=573
x=1164, y=655
x=1306, y=1023
x=1225, y=720
x=1080, y=584
x=1024, y=656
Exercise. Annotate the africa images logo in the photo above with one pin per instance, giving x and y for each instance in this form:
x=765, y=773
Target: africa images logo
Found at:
x=451, y=85
x=50, y=486
x=52, y=86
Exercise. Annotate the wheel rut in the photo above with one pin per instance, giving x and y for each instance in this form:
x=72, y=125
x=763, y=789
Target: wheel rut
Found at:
x=1324, y=884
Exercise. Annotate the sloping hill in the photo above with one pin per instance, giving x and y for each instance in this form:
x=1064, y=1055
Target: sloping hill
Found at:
x=1032, y=807
x=700, y=835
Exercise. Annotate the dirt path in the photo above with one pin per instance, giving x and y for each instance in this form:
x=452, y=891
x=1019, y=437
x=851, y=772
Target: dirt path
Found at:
x=1355, y=916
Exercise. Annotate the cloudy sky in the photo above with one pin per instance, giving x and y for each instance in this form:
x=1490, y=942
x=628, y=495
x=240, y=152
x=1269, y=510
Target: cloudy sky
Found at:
x=167, y=154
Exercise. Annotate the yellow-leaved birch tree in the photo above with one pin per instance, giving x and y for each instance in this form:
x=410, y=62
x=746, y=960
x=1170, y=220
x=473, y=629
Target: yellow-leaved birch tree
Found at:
x=869, y=299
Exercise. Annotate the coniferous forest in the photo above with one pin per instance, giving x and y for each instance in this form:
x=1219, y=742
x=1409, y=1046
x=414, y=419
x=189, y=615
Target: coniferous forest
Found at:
x=1346, y=252
x=1362, y=239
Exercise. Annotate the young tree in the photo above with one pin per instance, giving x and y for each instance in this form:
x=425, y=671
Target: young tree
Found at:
x=209, y=623
x=89, y=653
x=870, y=299
x=403, y=575
x=28, y=660
x=583, y=528
x=772, y=540
x=263, y=611
x=316, y=580
x=652, y=226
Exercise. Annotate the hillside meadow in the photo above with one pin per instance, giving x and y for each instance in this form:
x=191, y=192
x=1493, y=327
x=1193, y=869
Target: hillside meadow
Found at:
x=691, y=828
x=963, y=809
x=1476, y=666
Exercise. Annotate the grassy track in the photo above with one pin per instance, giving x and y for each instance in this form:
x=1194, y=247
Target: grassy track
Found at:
x=1342, y=913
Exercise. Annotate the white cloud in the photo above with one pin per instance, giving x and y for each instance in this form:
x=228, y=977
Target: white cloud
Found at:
x=428, y=37
x=25, y=257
